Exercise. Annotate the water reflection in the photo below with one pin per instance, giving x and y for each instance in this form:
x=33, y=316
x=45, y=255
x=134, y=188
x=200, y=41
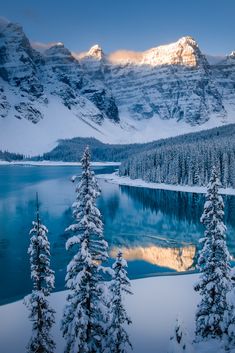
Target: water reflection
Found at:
x=177, y=214
x=179, y=259
x=157, y=230
x=182, y=206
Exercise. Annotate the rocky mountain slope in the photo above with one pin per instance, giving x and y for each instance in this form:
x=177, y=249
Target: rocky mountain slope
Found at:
x=33, y=77
x=172, y=81
x=121, y=97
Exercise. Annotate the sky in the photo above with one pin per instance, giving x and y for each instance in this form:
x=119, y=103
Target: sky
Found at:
x=126, y=24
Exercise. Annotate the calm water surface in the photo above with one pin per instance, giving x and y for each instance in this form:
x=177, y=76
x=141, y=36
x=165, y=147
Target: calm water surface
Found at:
x=157, y=230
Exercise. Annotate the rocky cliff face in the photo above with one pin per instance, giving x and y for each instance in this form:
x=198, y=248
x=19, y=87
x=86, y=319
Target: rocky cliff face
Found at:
x=32, y=77
x=173, y=81
x=19, y=70
x=224, y=77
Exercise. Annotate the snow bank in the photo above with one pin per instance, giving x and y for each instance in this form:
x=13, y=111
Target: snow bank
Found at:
x=121, y=180
x=153, y=309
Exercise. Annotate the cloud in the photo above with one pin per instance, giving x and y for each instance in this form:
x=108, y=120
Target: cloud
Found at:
x=79, y=55
x=121, y=56
x=117, y=57
x=42, y=46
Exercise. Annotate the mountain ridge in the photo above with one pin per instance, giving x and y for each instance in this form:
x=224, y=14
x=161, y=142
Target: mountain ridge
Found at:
x=114, y=99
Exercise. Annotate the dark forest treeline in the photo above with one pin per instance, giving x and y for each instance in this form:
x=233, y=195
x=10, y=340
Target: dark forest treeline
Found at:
x=187, y=159
x=9, y=156
x=71, y=149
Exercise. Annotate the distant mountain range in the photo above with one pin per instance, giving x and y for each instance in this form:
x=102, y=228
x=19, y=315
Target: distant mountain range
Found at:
x=123, y=97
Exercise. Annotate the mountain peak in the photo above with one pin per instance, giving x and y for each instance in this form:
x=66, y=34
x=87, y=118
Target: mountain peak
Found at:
x=183, y=52
x=3, y=22
x=10, y=29
x=187, y=40
x=14, y=44
x=58, y=45
x=96, y=52
x=58, y=49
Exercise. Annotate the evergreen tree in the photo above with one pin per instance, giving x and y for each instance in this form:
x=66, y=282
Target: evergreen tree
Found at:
x=41, y=314
x=179, y=342
x=230, y=344
x=117, y=337
x=185, y=159
x=83, y=319
x=213, y=263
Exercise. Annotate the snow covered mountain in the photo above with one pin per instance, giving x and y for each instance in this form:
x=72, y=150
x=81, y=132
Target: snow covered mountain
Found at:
x=171, y=81
x=122, y=97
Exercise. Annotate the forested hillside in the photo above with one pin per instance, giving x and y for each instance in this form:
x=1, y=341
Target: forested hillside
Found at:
x=71, y=150
x=187, y=159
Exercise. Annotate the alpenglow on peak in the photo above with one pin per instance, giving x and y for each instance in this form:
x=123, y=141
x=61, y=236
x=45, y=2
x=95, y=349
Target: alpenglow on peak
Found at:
x=96, y=52
x=183, y=52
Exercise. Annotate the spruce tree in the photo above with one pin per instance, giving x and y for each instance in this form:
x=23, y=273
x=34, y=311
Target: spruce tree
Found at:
x=230, y=342
x=83, y=318
x=41, y=313
x=213, y=263
x=117, y=337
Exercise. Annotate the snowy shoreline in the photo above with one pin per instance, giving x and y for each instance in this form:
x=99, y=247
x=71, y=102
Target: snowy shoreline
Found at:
x=57, y=163
x=121, y=180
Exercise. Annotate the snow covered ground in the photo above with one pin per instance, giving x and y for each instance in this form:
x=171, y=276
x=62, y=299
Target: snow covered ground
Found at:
x=22, y=136
x=57, y=163
x=121, y=180
x=153, y=308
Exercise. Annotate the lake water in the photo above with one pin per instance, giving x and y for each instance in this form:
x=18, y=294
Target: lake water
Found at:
x=157, y=230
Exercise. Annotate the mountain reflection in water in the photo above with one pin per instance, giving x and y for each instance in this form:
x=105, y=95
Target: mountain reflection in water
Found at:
x=179, y=259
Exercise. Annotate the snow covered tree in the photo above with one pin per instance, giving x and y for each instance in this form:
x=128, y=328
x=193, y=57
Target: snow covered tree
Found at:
x=185, y=160
x=179, y=342
x=41, y=313
x=213, y=263
x=84, y=314
x=117, y=337
x=230, y=342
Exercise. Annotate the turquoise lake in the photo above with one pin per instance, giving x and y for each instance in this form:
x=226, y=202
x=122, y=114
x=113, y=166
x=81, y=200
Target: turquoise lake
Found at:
x=157, y=230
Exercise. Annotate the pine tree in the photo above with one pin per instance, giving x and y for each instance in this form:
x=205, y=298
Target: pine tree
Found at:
x=179, y=342
x=41, y=314
x=213, y=263
x=117, y=337
x=83, y=319
x=230, y=342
